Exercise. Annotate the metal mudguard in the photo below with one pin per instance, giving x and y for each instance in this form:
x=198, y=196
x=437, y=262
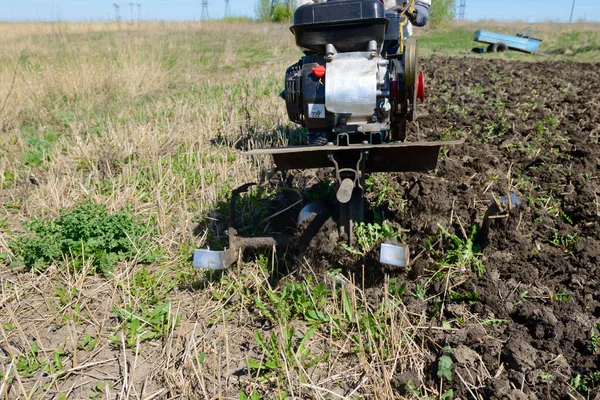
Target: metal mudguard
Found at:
x=391, y=157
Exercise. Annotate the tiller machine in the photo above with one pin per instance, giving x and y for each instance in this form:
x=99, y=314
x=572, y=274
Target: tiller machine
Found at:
x=355, y=91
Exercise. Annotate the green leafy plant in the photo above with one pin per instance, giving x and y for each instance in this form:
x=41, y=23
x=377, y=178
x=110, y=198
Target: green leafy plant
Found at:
x=274, y=352
x=564, y=242
x=97, y=391
x=595, y=338
x=470, y=296
x=377, y=185
x=463, y=253
x=419, y=293
x=87, y=232
x=561, y=295
x=492, y=321
x=522, y=298
x=29, y=363
x=253, y=396
x=395, y=290
x=296, y=299
x=66, y=296
x=87, y=343
x=585, y=383
x=148, y=287
x=367, y=235
x=445, y=365
x=145, y=325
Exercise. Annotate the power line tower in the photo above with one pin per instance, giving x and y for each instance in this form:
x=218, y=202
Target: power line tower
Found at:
x=117, y=7
x=131, y=12
x=227, y=9
x=572, y=10
x=204, y=16
x=461, y=9
x=139, y=8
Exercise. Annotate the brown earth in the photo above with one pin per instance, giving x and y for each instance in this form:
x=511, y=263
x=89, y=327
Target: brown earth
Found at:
x=531, y=129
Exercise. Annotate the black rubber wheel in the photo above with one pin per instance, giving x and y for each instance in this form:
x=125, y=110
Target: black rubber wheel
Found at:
x=410, y=63
x=398, y=131
x=497, y=48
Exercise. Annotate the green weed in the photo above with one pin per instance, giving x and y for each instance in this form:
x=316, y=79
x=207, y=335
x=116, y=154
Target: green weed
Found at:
x=87, y=343
x=419, y=293
x=469, y=297
x=522, y=298
x=395, y=290
x=564, y=242
x=87, y=232
x=66, y=296
x=39, y=146
x=29, y=363
x=145, y=325
x=286, y=352
x=492, y=321
x=369, y=234
x=306, y=300
x=378, y=185
x=150, y=288
x=561, y=295
x=98, y=391
x=253, y=396
x=586, y=383
x=595, y=338
x=445, y=365
x=462, y=254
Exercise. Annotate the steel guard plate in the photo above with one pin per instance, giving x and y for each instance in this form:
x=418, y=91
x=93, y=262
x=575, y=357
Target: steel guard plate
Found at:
x=393, y=157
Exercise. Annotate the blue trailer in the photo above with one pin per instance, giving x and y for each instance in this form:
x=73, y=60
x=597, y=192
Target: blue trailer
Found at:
x=500, y=42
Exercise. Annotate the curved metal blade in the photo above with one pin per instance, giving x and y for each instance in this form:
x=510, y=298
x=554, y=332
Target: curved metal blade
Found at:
x=313, y=208
x=212, y=260
x=396, y=255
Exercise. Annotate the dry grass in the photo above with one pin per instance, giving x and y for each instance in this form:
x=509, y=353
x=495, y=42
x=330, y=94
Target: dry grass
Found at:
x=147, y=116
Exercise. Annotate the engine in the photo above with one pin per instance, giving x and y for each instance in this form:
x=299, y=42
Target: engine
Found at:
x=350, y=86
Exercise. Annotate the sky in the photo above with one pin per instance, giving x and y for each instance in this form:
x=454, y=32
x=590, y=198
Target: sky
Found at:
x=179, y=10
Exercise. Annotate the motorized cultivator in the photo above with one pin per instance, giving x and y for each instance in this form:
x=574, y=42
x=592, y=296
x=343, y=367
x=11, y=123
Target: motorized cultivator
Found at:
x=355, y=91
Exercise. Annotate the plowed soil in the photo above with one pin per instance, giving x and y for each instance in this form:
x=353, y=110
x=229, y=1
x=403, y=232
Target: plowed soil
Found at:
x=530, y=129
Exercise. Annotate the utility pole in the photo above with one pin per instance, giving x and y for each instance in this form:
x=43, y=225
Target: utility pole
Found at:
x=139, y=7
x=572, y=10
x=116, y=6
x=227, y=9
x=461, y=9
x=204, y=16
x=131, y=12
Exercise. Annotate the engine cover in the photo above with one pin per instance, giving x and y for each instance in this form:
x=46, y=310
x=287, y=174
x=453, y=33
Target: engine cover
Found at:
x=351, y=84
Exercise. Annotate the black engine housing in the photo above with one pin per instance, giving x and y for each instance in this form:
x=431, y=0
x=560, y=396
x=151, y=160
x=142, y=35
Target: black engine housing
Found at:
x=347, y=26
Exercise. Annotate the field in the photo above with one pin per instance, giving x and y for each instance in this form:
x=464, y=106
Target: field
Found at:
x=118, y=153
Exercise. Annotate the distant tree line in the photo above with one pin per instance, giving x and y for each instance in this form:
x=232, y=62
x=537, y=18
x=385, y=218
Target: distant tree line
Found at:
x=442, y=11
x=276, y=11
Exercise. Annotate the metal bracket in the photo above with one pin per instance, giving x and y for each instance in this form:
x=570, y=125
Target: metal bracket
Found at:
x=358, y=172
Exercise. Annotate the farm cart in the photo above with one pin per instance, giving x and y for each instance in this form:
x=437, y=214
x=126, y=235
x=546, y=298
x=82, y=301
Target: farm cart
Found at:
x=499, y=42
